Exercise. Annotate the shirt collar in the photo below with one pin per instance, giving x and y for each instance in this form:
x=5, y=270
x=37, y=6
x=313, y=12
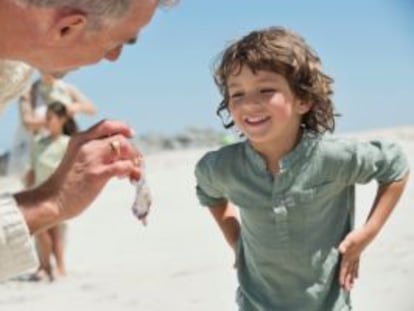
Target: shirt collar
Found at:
x=300, y=153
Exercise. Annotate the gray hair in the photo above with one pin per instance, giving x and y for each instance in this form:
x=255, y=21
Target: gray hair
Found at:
x=98, y=8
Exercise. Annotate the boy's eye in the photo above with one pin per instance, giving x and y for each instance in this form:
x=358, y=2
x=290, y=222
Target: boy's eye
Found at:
x=236, y=95
x=267, y=91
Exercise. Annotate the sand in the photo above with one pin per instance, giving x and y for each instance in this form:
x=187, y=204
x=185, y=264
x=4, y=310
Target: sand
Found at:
x=181, y=262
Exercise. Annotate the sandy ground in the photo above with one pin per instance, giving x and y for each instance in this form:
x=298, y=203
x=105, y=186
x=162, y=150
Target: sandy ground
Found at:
x=180, y=261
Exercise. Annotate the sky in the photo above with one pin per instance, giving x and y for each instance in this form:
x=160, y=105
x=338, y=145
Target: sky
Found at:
x=164, y=83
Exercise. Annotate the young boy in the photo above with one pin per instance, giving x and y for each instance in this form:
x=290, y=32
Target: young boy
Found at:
x=295, y=245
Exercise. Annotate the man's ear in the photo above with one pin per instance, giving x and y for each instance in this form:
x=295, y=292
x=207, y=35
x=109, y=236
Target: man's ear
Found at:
x=68, y=28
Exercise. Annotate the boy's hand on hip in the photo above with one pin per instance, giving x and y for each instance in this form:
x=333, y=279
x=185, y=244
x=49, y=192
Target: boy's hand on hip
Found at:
x=351, y=248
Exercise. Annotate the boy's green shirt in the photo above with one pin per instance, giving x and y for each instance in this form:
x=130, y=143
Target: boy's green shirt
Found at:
x=292, y=223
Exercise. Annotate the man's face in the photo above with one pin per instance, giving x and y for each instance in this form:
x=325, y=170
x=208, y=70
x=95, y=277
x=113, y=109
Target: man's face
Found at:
x=92, y=45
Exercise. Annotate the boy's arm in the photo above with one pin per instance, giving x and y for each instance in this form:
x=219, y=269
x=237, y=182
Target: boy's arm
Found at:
x=386, y=199
x=356, y=241
x=225, y=215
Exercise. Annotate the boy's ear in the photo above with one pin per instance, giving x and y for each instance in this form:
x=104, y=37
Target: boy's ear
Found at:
x=303, y=107
x=68, y=28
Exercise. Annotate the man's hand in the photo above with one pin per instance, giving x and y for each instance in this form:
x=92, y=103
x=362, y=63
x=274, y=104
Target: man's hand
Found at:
x=90, y=161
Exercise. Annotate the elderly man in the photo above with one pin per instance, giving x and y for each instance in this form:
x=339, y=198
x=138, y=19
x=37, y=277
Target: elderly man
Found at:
x=57, y=36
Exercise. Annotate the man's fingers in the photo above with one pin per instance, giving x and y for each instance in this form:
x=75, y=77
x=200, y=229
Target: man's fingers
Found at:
x=117, y=147
x=106, y=128
x=121, y=168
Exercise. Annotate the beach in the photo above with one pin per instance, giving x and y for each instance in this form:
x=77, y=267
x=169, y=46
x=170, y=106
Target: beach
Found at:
x=180, y=260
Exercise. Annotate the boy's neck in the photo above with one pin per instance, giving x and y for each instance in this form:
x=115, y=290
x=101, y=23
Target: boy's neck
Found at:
x=272, y=153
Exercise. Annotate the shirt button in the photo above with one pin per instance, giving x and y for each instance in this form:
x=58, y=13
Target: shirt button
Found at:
x=280, y=210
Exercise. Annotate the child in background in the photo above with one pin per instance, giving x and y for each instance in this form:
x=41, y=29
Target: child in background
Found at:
x=47, y=153
x=295, y=245
x=33, y=106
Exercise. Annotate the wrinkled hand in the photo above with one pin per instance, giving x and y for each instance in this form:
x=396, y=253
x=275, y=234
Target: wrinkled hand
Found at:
x=351, y=248
x=89, y=163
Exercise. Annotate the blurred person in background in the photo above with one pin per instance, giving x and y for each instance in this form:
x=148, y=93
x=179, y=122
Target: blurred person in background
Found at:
x=48, y=151
x=32, y=107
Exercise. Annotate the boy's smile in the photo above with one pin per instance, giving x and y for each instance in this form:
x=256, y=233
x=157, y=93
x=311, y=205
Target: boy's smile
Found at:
x=263, y=106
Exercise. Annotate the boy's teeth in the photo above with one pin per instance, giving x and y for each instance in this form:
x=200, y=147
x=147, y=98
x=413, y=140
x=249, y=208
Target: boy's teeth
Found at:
x=255, y=119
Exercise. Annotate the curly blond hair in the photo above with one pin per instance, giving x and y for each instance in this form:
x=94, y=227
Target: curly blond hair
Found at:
x=282, y=51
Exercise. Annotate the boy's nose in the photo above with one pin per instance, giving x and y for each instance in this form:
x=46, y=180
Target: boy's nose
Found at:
x=252, y=99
